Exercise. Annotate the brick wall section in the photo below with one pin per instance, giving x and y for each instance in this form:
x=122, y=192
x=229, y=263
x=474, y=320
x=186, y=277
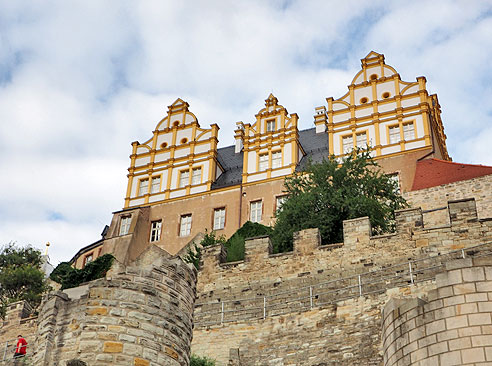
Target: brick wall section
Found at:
x=435, y=197
x=139, y=315
x=263, y=274
x=452, y=327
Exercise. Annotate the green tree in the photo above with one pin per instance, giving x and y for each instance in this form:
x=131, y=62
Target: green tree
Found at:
x=21, y=277
x=327, y=193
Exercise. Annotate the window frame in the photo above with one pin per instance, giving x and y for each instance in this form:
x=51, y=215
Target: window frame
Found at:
x=260, y=161
x=125, y=224
x=152, y=184
x=279, y=160
x=187, y=227
x=278, y=206
x=88, y=258
x=256, y=209
x=221, y=219
x=270, y=122
x=394, y=127
x=182, y=173
x=141, y=185
x=363, y=133
x=410, y=123
x=155, y=231
x=197, y=169
x=344, y=138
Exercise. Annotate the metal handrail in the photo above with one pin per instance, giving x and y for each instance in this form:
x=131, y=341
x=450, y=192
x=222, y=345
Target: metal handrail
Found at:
x=406, y=273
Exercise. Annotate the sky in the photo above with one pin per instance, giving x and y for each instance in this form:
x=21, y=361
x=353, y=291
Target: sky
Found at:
x=81, y=80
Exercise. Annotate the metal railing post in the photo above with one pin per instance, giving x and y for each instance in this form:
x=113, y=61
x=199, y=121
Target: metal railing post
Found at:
x=411, y=273
x=264, y=307
x=6, y=349
x=360, y=286
x=222, y=313
x=311, y=296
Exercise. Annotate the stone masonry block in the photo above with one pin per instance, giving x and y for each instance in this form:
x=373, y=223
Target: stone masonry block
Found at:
x=450, y=358
x=459, y=263
x=435, y=326
x=437, y=348
x=481, y=340
x=473, y=274
x=464, y=288
x=479, y=319
x=456, y=322
x=113, y=347
x=459, y=343
x=473, y=355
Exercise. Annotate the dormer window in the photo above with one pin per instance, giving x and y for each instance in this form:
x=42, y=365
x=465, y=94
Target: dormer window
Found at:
x=270, y=125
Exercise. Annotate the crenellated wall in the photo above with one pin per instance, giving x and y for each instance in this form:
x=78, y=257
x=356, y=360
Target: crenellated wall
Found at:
x=307, y=302
x=138, y=315
x=452, y=326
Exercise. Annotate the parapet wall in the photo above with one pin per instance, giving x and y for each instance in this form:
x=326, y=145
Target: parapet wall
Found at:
x=433, y=201
x=359, y=252
x=138, y=315
x=305, y=307
x=453, y=326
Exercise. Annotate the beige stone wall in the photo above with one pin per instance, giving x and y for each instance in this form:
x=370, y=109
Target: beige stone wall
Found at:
x=273, y=304
x=17, y=321
x=138, y=315
x=433, y=198
x=453, y=326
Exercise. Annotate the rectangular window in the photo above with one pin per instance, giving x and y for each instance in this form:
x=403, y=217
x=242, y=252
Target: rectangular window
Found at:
x=255, y=211
x=143, y=187
x=276, y=159
x=395, y=177
x=279, y=201
x=196, y=177
x=125, y=224
x=263, y=164
x=155, y=230
x=156, y=185
x=184, y=178
x=408, y=131
x=270, y=125
x=394, y=134
x=185, y=226
x=88, y=258
x=348, y=144
x=219, y=218
x=361, y=140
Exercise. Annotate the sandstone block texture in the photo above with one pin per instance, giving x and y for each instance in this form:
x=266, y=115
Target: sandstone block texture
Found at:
x=139, y=315
x=454, y=325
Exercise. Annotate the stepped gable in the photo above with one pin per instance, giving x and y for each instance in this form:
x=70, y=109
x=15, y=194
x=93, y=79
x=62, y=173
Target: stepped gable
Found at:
x=435, y=172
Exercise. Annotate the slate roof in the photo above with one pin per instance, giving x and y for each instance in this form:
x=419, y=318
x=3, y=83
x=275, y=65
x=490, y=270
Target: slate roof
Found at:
x=315, y=146
x=435, y=172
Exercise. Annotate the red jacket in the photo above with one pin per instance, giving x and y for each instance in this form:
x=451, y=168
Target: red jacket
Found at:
x=21, y=346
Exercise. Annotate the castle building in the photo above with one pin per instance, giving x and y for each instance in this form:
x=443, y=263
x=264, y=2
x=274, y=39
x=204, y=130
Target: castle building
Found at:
x=181, y=183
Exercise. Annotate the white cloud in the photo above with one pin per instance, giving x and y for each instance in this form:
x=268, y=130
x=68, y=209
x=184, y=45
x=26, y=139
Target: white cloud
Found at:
x=79, y=81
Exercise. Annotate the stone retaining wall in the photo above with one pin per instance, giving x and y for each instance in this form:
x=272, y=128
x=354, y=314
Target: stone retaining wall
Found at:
x=262, y=274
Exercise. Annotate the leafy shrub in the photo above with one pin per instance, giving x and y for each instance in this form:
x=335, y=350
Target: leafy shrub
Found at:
x=235, y=244
x=194, y=254
x=201, y=361
x=69, y=277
